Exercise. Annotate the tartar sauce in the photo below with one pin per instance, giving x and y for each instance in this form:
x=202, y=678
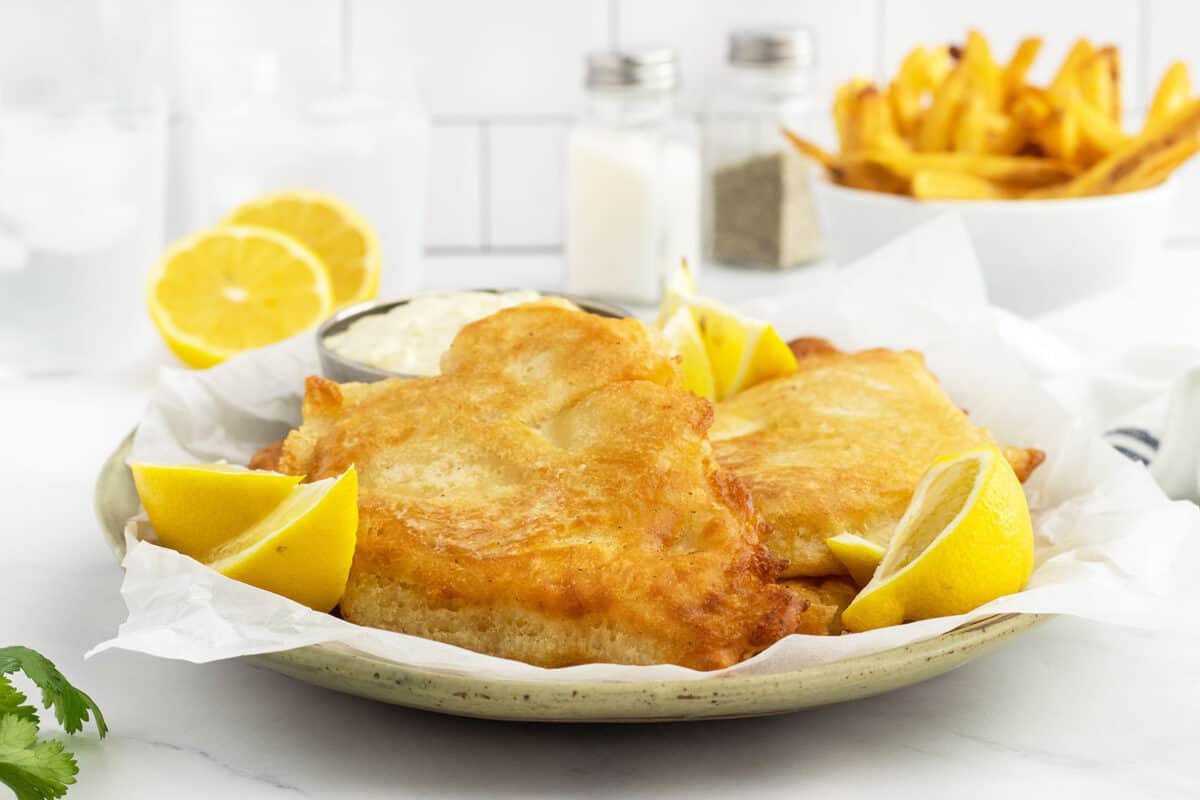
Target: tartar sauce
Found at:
x=411, y=338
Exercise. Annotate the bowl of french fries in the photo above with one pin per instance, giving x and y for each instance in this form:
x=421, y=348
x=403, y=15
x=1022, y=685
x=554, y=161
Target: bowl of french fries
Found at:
x=1060, y=199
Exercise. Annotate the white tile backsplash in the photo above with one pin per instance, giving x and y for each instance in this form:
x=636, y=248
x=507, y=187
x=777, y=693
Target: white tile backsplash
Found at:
x=486, y=58
x=845, y=33
x=503, y=79
x=525, y=184
x=454, y=217
x=235, y=49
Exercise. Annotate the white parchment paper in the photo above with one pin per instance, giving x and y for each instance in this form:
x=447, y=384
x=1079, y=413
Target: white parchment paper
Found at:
x=1110, y=546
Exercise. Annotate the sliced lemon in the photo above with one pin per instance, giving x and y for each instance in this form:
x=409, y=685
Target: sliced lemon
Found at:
x=859, y=556
x=965, y=540
x=196, y=507
x=234, y=288
x=303, y=548
x=743, y=352
x=681, y=287
x=684, y=337
x=340, y=237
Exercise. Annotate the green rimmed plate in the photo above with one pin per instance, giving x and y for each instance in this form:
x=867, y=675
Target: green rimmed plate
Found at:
x=343, y=670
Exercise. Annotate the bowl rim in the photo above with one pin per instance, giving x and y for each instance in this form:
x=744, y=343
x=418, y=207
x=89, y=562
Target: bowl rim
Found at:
x=1016, y=205
x=344, y=317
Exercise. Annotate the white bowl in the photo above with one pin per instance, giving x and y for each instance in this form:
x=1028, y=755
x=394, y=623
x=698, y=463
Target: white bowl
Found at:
x=1036, y=254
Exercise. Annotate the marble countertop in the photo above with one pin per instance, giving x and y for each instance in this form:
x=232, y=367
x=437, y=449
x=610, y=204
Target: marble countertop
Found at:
x=1070, y=709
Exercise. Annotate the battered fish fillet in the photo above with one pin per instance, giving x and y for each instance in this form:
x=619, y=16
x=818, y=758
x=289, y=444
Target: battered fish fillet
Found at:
x=551, y=497
x=840, y=445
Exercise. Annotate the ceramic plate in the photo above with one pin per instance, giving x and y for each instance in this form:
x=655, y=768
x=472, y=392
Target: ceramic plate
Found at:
x=339, y=668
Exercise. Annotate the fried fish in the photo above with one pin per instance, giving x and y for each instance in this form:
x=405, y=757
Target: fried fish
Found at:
x=840, y=445
x=550, y=497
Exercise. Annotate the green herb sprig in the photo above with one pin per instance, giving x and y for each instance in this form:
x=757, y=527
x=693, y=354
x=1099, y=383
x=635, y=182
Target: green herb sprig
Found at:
x=39, y=769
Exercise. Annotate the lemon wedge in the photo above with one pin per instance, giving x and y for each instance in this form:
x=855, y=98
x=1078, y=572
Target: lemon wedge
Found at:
x=233, y=288
x=965, y=540
x=684, y=337
x=743, y=352
x=196, y=507
x=859, y=556
x=681, y=287
x=341, y=238
x=303, y=548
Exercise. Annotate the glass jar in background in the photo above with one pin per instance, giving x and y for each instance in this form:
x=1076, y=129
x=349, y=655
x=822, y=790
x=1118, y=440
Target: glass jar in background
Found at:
x=252, y=133
x=633, y=180
x=759, y=209
x=82, y=176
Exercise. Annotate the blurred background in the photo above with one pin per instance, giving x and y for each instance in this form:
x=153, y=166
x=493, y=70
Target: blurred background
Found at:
x=125, y=124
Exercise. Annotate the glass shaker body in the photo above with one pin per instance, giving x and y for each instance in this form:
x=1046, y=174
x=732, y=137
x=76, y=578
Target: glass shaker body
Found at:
x=759, y=209
x=633, y=195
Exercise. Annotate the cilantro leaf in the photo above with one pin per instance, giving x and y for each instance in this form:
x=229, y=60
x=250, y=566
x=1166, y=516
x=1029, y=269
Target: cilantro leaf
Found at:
x=12, y=701
x=71, y=706
x=34, y=770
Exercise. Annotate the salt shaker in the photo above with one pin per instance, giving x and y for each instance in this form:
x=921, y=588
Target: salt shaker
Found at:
x=759, y=210
x=633, y=185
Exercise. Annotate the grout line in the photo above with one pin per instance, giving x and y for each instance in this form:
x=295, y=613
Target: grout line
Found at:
x=614, y=24
x=503, y=117
x=499, y=250
x=485, y=185
x=1142, y=67
x=880, y=32
x=345, y=44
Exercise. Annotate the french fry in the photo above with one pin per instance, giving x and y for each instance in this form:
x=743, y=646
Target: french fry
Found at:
x=935, y=131
x=844, y=103
x=1018, y=66
x=1105, y=176
x=945, y=185
x=970, y=131
x=1158, y=168
x=1097, y=128
x=985, y=77
x=1067, y=75
x=905, y=92
x=871, y=122
x=1100, y=83
x=1173, y=91
x=1021, y=171
x=1004, y=135
x=814, y=151
x=872, y=176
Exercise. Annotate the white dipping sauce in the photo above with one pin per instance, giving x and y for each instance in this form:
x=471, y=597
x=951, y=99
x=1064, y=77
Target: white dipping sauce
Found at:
x=411, y=338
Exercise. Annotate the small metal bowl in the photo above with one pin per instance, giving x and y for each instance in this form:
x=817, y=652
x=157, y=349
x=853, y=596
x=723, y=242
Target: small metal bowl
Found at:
x=345, y=370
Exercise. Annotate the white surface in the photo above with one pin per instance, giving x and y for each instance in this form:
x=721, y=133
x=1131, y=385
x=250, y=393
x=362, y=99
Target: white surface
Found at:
x=1070, y=710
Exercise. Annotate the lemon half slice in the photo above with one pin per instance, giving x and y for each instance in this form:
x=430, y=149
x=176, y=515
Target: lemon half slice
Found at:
x=681, y=287
x=859, y=556
x=743, y=352
x=196, y=507
x=684, y=337
x=341, y=238
x=965, y=540
x=234, y=288
x=303, y=548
